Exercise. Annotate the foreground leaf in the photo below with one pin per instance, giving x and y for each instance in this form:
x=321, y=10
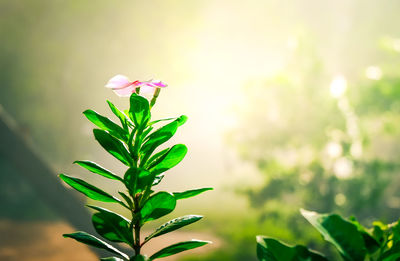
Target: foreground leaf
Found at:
x=112, y=226
x=158, y=205
x=179, y=247
x=113, y=146
x=169, y=159
x=190, y=193
x=89, y=190
x=93, y=167
x=157, y=138
x=341, y=233
x=91, y=240
x=139, y=110
x=137, y=180
x=121, y=116
x=112, y=258
x=173, y=225
x=269, y=249
x=370, y=243
x=106, y=124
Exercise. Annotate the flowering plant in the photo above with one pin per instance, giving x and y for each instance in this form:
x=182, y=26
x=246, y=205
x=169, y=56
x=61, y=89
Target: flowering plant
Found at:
x=135, y=143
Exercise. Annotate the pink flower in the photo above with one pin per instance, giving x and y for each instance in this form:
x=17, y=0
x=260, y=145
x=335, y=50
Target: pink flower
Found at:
x=122, y=86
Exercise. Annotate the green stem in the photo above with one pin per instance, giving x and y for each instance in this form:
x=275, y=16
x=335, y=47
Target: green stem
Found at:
x=137, y=226
x=155, y=95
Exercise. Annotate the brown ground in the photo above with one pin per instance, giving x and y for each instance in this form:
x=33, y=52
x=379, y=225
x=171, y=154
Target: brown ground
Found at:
x=42, y=241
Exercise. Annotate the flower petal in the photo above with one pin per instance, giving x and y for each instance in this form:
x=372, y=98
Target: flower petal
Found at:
x=124, y=92
x=118, y=82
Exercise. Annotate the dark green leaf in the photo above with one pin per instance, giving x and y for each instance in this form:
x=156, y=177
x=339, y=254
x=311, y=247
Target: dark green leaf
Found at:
x=137, y=179
x=157, y=138
x=112, y=258
x=89, y=190
x=158, y=179
x=158, y=205
x=190, y=193
x=341, y=233
x=127, y=199
x=113, y=146
x=139, y=110
x=371, y=244
x=93, y=167
x=178, y=247
x=91, y=240
x=140, y=258
x=269, y=249
x=106, y=124
x=173, y=225
x=112, y=226
x=169, y=160
x=121, y=116
x=156, y=156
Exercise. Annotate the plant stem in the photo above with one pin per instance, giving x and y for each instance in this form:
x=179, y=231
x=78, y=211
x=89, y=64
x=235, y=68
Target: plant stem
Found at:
x=137, y=227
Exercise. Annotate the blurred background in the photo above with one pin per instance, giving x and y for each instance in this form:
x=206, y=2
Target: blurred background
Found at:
x=291, y=104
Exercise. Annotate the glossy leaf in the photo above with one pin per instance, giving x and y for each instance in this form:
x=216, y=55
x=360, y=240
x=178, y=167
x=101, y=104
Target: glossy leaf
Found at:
x=112, y=226
x=106, y=124
x=269, y=249
x=139, y=110
x=157, y=138
x=181, y=120
x=173, y=225
x=140, y=258
x=95, y=168
x=158, y=179
x=371, y=244
x=158, y=205
x=179, y=247
x=89, y=190
x=190, y=193
x=170, y=159
x=155, y=157
x=121, y=116
x=341, y=233
x=112, y=258
x=91, y=240
x=137, y=179
x=113, y=146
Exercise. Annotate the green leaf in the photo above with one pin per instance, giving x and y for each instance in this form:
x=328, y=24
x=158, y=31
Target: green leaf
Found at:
x=140, y=258
x=112, y=258
x=371, y=244
x=112, y=226
x=93, y=167
x=341, y=233
x=121, y=116
x=89, y=190
x=139, y=110
x=179, y=247
x=127, y=199
x=155, y=157
x=173, y=225
x=181, y=120
x=190, y=193
x=269, y=249
x=157, y=138
x=158, y=179
x=91, y=240
x=137, y=180
x=106, y=124
x=113, y=146
x=169, y=160
x=158, y=205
